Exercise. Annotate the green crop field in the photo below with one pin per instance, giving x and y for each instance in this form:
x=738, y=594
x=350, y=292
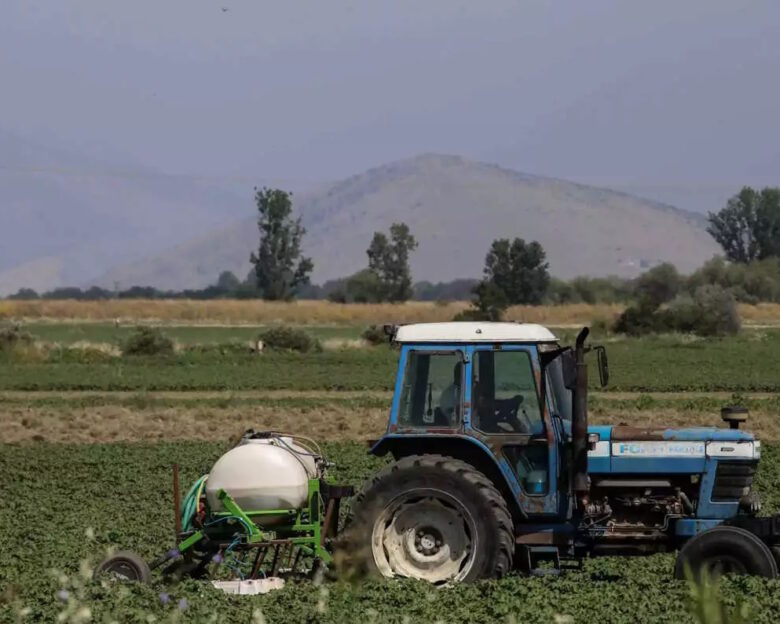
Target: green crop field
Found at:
x=65, y=505
x=746, y=363
x=87, y=439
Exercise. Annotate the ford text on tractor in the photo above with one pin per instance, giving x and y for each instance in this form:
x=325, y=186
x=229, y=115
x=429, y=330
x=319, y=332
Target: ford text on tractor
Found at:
x=495, y=468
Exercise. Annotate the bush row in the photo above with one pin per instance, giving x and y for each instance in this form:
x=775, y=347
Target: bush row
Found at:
x=152, y=341
x=709, y=311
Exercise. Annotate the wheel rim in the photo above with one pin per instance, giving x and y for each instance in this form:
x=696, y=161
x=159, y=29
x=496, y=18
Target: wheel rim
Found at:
x=427, y=535
x=122, y=571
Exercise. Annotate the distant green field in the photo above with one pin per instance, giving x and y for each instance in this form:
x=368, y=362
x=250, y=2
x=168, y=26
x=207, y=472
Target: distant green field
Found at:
x=69, y=333
x=747, y=363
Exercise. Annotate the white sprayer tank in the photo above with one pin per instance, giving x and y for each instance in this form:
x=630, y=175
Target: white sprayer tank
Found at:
x=263, y=474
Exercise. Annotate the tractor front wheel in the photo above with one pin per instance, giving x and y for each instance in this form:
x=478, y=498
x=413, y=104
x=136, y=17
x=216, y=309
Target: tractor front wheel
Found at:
x=432, y=518
x=725, y=550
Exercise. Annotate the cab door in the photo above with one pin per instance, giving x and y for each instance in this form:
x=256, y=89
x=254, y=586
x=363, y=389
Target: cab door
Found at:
x=429, y=392
x=509, y=412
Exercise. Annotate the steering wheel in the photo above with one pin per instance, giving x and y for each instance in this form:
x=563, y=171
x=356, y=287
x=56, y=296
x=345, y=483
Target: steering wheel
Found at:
x=508, y=410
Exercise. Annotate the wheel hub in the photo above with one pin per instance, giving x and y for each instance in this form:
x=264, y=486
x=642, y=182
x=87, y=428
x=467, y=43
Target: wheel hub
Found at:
x=122, y=572
x=428, y=541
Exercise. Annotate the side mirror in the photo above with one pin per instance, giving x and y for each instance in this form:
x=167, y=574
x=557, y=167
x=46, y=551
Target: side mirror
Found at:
x=603, y=364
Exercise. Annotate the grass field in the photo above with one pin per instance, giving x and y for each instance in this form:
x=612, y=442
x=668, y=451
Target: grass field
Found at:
x=87, y=438
x=746, y=363
x=109, y=333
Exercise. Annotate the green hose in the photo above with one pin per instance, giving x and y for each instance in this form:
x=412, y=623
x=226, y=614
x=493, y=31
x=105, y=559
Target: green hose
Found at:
x=189, y=506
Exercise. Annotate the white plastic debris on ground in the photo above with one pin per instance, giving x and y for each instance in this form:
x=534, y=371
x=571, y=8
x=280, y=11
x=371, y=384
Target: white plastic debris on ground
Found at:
x=250, y=587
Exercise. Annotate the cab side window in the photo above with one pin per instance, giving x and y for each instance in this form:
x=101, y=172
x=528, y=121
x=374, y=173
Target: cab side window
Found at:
x=505, y=393
x=432, y=390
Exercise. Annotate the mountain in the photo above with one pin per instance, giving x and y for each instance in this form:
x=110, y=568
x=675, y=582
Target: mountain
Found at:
x=455, y=208
x=67, y=219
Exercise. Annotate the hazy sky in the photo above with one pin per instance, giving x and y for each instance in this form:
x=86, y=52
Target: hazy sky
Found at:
x=673, y=97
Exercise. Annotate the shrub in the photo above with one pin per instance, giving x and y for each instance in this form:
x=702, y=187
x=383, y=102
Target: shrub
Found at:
x=475, y=314
x=600, y=326
x=711, y=311
x=21, y=346
x=13, y=338
x=637, y=320
x=337, y=296
x=374, y=335
x=489, y=304
x=749, y=283
x=147, y=341
x=658, y=285
x=285, y=338
x=364, y=287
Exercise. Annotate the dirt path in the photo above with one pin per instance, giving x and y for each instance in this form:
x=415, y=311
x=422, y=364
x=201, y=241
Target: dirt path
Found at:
x=114, y=423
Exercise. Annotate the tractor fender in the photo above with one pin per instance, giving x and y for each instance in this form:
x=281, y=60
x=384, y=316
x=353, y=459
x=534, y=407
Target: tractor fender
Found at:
x=466, y=448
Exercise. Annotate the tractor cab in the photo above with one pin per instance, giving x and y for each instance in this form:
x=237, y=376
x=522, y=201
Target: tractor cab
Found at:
x=500, y=394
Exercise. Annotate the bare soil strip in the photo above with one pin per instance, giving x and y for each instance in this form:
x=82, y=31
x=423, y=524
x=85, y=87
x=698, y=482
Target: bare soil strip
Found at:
x=115, y=423
x=112, y=423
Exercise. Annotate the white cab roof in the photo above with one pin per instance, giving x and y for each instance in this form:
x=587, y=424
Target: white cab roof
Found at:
x=474, y=332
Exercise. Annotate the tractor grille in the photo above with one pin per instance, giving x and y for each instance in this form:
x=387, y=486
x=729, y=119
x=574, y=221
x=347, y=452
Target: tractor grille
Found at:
x=733, y=480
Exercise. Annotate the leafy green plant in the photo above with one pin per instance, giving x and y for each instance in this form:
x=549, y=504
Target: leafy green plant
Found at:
x=147, y=341
x=118, y=496
x=707, y=605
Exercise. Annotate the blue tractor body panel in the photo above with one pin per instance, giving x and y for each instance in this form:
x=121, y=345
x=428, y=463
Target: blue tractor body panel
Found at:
x=692, y=451
x=668, y=451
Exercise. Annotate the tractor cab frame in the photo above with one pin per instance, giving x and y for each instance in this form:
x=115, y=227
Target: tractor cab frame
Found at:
x=499, y=395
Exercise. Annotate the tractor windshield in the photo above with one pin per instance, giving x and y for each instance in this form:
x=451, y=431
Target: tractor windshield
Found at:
x=505, y=393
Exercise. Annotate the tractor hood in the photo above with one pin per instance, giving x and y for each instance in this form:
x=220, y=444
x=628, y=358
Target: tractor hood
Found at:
x=636, y=449
x=685, y=434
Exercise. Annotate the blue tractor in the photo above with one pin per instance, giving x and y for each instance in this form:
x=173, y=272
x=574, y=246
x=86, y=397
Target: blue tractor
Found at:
x=496, y=468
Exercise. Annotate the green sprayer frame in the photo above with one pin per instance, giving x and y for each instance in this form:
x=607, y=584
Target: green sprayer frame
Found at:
x=294, y=532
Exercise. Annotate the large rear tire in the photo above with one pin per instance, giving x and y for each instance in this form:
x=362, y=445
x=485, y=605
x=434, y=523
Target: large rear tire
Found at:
x=433, y=518
x=725, y=550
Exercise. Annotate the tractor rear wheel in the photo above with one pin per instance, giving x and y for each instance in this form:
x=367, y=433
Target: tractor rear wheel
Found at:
x=725, y=550
x=432, y=518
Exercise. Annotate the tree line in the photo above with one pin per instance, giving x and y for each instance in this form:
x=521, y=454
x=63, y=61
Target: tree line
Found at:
x=515, y=271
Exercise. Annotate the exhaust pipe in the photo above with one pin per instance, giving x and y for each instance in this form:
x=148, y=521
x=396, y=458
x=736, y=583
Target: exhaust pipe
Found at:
x=579, y=425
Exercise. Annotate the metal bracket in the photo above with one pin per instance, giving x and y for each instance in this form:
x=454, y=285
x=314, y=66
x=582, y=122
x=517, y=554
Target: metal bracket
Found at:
x=255, y=534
